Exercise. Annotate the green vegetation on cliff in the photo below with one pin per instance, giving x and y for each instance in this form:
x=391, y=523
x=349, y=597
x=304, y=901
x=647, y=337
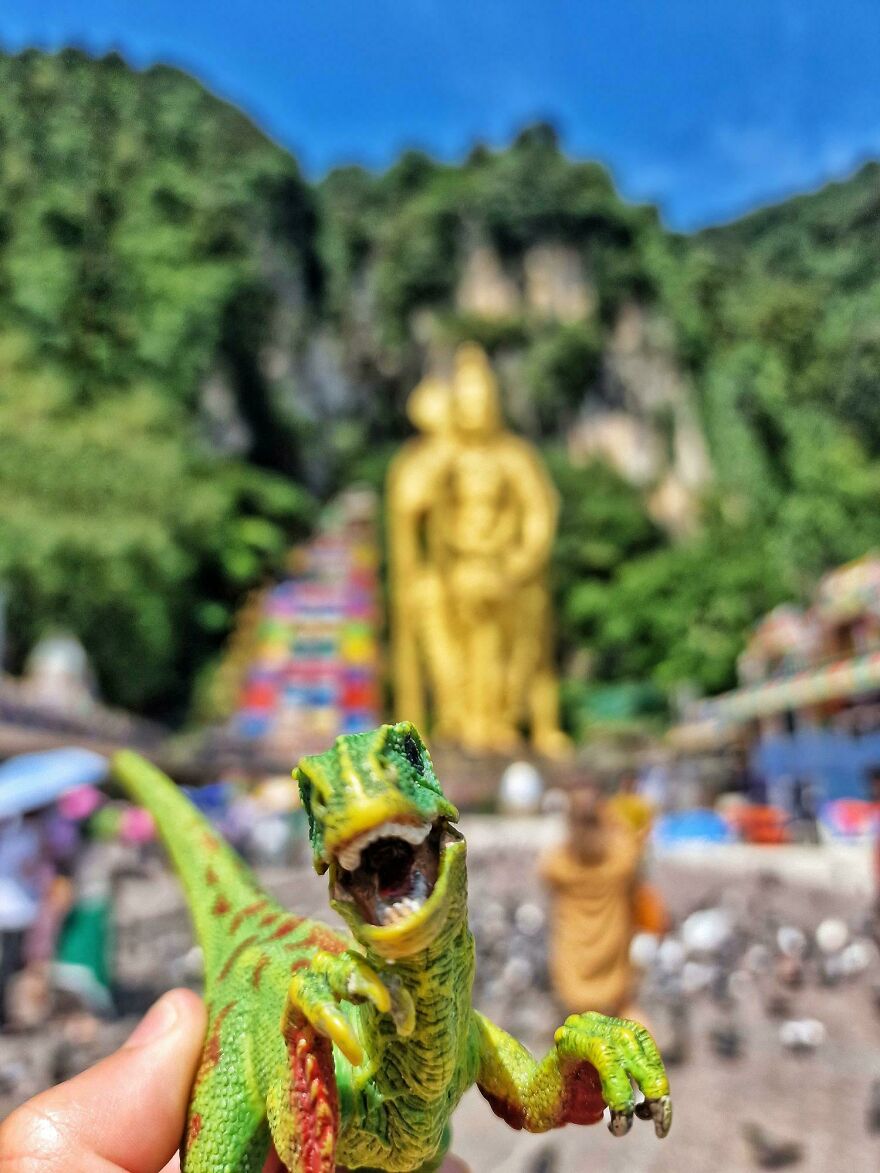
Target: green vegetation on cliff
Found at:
x=195, y=345
x=143, y=228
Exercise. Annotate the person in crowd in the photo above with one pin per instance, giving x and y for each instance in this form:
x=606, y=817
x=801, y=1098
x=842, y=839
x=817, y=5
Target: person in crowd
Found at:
x=83, y=958
x=25, y=887
x=874, y=797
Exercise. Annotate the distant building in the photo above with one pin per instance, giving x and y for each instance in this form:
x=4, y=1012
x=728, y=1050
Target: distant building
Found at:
x=809, y=695
x=55, y=704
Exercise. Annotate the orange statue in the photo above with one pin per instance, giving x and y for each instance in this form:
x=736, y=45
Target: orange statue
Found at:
x=597, y=904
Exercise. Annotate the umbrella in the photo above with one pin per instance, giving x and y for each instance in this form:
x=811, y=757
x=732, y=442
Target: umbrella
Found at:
x=32, y=780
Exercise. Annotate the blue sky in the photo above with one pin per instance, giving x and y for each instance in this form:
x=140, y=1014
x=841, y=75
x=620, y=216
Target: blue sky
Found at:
x=707, y=108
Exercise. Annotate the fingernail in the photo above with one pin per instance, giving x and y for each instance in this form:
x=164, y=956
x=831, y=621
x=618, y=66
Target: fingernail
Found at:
x=158, y=1020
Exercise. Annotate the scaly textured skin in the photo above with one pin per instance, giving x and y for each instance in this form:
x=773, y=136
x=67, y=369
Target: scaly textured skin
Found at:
x=326, y=1052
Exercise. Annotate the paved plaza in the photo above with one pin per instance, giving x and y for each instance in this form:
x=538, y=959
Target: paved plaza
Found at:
x=819, y=1099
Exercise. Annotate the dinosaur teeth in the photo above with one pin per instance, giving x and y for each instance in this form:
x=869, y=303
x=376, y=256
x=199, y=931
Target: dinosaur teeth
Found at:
x=400, y=910
x=349, y=857
x=388, y=874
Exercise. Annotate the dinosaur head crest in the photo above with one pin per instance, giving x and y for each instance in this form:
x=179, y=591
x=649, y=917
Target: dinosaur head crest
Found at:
x=380, y=823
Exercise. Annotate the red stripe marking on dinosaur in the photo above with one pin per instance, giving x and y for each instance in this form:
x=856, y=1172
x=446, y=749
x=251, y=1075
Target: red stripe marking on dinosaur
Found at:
x=211, y=1052
x=244, y=913
x=210, y=843
x=211, y=878
x=257, y=975
x=301, y=963
x=193, y=1130
x=268, y=920
x=221, y=906
x=286, y=928
x=320, y=938
x=234, y=956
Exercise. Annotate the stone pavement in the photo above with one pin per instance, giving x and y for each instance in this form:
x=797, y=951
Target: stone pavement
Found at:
x=819, y=1099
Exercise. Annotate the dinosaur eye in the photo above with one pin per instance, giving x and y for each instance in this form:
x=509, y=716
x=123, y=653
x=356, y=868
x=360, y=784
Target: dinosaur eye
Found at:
x=412, y=754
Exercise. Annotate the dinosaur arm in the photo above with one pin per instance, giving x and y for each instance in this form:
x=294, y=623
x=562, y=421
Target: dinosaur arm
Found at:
x=524, y=1092
x=591, y=1064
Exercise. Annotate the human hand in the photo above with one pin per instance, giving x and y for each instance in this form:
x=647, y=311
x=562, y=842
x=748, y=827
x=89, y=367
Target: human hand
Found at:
x=125, y=1113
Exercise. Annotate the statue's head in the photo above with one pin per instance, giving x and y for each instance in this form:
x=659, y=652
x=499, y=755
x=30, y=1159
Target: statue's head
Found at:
x=429, y=407
x=476, y=405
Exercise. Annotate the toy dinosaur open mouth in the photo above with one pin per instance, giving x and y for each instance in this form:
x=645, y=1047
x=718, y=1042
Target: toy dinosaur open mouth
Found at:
x=390, y=871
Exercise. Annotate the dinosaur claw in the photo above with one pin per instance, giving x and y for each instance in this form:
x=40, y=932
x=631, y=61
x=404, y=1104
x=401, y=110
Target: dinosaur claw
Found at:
x=364, y=984
x=620, y=1123
x=332, y=1022
x=660, y=1111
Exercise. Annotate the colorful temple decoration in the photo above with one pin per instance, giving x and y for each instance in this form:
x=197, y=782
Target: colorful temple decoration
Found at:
x=786, y=640
x=853, y=676
x=314, y=663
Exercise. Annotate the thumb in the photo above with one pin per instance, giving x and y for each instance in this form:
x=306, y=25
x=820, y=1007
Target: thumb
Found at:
x=128, y=1110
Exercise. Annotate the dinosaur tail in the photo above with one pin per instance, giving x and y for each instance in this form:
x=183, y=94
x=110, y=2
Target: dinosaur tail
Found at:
x=214, y=879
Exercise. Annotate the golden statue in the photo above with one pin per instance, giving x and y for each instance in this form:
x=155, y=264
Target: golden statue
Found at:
x=472, y=514
x=420, y=622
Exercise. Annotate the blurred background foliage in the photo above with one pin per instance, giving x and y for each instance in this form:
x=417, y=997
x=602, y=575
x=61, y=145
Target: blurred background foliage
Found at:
x=197, y=346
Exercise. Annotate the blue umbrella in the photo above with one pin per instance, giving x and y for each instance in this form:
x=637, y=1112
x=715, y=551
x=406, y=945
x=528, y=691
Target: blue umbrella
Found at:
x=32, y=780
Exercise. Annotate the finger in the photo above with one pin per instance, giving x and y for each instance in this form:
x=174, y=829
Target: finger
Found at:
x=128, y=1110
x=642, y=1059
x=645, y=1066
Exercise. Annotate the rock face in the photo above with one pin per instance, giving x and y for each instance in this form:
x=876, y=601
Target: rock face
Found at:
x=549, y=283
x=555, y=285
x=222, y=425
x=640, y=417
x=640, y=360
x=630, y=445
x=485, y=289
x=651, y=435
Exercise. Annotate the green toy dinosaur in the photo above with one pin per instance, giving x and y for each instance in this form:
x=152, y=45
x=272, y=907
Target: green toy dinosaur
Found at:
x=323, y=1051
